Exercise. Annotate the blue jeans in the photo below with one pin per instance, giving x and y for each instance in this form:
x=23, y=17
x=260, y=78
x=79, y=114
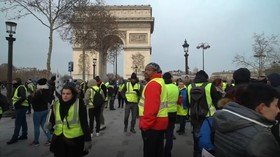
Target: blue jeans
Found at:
x=20, y=122
x=39, y=119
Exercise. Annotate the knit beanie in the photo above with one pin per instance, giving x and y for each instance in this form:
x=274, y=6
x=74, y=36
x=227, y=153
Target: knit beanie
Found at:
x=241, y=75
x=133, y=76
x=202, y=74
x=42, y=83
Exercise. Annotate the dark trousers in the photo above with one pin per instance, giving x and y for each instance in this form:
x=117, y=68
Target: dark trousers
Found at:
x=169, y=134
x=94, y=113
x=130, y=107
x=182, y=122
x=20, y=122
x=153, y=143
x=62, y=147
x=111, y=102
x=120, y=100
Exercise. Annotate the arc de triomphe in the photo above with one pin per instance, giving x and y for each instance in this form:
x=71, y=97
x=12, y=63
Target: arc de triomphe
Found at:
x=136, y=25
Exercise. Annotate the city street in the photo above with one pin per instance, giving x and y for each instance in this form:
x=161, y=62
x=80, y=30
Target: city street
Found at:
x=112, y=142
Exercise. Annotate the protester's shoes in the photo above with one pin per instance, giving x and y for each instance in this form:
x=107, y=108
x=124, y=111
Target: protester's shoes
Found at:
x=12, y=141
x=22, y=138
x=34, y=144
x=97, y=134
x=48, y=143
x=103, y=127
x=133, y=131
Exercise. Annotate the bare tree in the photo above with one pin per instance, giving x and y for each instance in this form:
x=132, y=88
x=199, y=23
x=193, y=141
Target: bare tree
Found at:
x=266, y=50
x=50, y=13
x=84, y=64
x=92, y=27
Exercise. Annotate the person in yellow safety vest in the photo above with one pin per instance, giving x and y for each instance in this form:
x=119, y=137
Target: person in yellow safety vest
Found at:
x=153, y=111
x=211, y=97
x=132, y=94
x=71, y=135
x=19, y=101
x=121, y=85
x=101, y=85
x=182, y=108
x=172, y=98
x=107, y=97
x=112, y=91
x=30, y=92
x=93, y=110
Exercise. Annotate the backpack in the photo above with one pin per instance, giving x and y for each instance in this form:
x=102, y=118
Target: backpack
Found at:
x=98, y=99
x=4, y=103
x=198, y=104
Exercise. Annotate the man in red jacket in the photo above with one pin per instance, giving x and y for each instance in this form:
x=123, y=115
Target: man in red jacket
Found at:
x=153, y=112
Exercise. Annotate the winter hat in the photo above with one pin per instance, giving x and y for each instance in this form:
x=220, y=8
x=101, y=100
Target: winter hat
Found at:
x=167, y=76
x=274, y=79
x=133, y=76
x=42, y=84
x=155, y=66
x=202, y=74
x=241, y=75
x=92, y=82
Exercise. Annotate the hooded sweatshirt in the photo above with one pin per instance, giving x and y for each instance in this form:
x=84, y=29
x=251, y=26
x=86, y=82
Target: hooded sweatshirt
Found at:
x=243, y=132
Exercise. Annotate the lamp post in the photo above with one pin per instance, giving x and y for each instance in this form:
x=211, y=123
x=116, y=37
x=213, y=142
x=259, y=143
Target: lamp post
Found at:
x=94, y=60
x=11, y=29
x=186, y=50
x=204, y=46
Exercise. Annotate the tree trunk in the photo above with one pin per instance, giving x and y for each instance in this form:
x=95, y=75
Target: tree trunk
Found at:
x=50, y=50
x=102, y=64
x=84, y=64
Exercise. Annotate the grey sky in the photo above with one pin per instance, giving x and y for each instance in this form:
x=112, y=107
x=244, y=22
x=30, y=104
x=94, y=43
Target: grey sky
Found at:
x=227, y=25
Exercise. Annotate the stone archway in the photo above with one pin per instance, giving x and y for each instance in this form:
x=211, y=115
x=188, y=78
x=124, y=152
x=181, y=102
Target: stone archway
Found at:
x=136, y=25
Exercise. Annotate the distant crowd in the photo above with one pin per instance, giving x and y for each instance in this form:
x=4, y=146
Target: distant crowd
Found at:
x=228, y=119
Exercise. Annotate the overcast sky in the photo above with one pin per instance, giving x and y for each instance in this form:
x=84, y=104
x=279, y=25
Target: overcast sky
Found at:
x=227, y=25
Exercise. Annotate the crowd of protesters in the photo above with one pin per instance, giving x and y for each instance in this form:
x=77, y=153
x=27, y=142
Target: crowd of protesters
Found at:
x=233, y=119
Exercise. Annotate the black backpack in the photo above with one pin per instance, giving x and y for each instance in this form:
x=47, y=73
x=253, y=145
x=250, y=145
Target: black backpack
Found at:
x=4, y=103
x=98, y=99
x=198, y=103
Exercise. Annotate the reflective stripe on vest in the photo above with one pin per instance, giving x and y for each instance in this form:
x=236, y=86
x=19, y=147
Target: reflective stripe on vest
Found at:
x=163, y=110
x=70, y=127
x=172, y=97
x=131, y=96
x=120, y=87
x=211, y=107
x=16, y=98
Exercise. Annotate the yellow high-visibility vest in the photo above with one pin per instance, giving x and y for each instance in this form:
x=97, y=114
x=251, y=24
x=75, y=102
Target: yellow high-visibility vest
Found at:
x=15, y=97
x=70, y=126
x=130, y=94
x=172, y=97
x=163, y=111
x=211, y=106
x=180, y=110
x=91, y=105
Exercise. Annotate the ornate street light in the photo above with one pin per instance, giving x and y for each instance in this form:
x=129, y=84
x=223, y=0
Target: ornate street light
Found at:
x=94, y=60
x=11, y=29
x=204, y=46
x=186, y=50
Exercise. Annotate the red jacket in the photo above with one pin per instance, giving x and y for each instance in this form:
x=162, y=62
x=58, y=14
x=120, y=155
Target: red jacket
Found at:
x=149, y=120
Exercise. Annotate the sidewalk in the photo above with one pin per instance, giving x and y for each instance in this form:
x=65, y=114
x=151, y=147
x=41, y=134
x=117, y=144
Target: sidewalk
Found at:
x=112, y=142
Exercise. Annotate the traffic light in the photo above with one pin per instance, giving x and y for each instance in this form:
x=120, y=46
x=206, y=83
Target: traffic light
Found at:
x=70, y=66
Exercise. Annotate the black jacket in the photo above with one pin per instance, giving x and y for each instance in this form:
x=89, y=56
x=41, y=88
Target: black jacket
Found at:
x=41, y=99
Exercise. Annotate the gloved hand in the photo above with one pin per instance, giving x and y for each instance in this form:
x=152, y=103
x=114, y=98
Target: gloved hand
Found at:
x=48, y=126
x=87, y=146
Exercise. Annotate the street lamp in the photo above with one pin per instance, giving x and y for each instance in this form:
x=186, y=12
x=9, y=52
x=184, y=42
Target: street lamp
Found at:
x=11, y=29
x=204, y=46
x=186, y=50
x=94, y=60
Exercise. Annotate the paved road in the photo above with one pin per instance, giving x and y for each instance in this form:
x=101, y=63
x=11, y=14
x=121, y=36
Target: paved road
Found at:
x=112, y=142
